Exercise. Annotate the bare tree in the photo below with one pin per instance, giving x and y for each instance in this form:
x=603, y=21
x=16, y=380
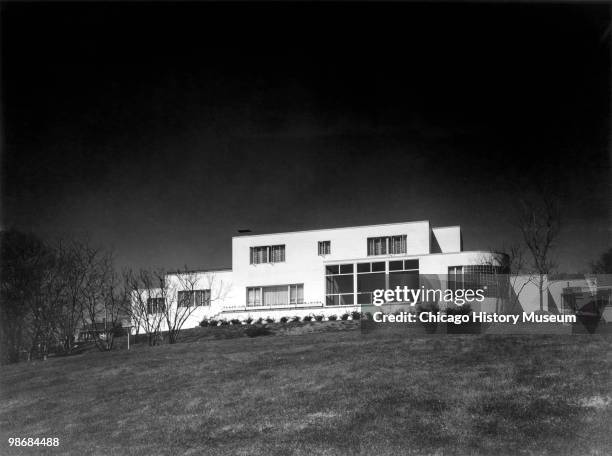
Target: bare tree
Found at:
x=24, y=261
x=78, y=258
x=103, y=301
x=184, y=292
x=48, y=290
x=508, y=267
x=46, y=308
x=147, y=302
x=539, y=220
x=161, y=302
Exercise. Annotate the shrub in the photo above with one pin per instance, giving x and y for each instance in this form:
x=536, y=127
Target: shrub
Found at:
x=259, y=320
x=284, y=319
x=462, y=328
x=256, y=331
x=319, y=317
x=269, y=320
x=204, y=323
x=356, y=315
x=344, y=316
x=223, y=323
x=235, y=321
x=332, y=317
x=248, y=320
x=307, y=318
x=213, y=322
x=295, y=319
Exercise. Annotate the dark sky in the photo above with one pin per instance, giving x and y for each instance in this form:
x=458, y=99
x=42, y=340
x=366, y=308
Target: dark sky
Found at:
x=161, y=129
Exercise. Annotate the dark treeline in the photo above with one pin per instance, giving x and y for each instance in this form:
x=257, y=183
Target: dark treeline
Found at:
x=51, y=290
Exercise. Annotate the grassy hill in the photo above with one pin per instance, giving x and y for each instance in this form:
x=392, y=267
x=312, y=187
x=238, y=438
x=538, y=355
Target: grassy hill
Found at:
x=330, y=392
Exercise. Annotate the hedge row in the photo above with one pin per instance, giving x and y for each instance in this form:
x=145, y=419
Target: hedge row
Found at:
x=355, y=315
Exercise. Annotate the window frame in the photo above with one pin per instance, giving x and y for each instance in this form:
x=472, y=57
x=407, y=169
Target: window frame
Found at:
x=258, y=292
x=268, y=253
x=153, y=306
x=341, y=271
x=386, y=245
x=326, y=248
x=192, y=298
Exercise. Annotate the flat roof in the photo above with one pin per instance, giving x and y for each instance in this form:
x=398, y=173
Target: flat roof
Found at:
x=195, y=271
x=335, y=228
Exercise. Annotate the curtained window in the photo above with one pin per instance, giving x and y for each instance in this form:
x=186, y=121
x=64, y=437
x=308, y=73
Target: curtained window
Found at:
x=387, y=245
x=267, y=254
x=276, y=295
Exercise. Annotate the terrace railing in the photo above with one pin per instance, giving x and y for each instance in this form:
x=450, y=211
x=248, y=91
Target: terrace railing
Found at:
x=299, y=305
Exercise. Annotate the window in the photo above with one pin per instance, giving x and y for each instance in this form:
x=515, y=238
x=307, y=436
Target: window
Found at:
x=259, y=255
x=156, y=305
x=370, y=277
x=377, y=246
x=493, y=280
x=191, y=298
x=268, y=254
x=398, y=244
x=276, y=295
x=404, y=273
x=348, y=284
x=455, y=277
x=387, y=245
x=296, y=294
x=277, y=253
x=254, y=297
x=339, y=285
x=324, y=247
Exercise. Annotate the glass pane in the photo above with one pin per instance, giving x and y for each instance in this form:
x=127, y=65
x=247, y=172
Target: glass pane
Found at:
x=332, y=269
x=346, y=269
x=250, y=297
x=401, y=279
x=339, y=284
x=370, y=282
x=347, y=299
x=398, y=244
x=331, y=300
x=324, y=247
x=275, y=296
x=293, y=293
x=396, y=265
x=364, y=298
x=378, y=267
x=411, y=264
x=363, y=267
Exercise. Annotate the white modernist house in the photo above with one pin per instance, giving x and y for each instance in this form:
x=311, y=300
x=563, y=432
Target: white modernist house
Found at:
x=330, y=271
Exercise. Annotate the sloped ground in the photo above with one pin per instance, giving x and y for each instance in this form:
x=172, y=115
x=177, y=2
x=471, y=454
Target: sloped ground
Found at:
x=339, y=392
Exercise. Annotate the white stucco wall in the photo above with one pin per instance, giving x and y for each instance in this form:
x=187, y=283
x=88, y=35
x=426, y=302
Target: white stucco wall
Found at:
x=304, y=265
x=448, y=238
x=438, y=263
x=218, y=282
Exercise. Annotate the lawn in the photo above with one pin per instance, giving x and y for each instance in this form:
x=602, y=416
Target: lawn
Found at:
x=331, y=392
